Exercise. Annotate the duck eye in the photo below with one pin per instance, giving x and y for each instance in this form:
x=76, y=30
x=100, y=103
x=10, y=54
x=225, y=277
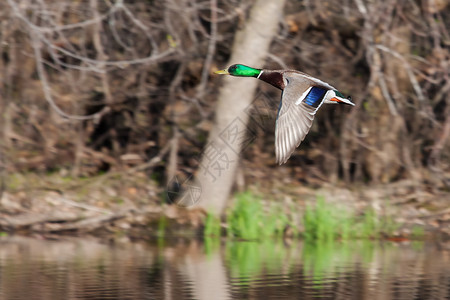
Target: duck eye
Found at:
x=232, y=68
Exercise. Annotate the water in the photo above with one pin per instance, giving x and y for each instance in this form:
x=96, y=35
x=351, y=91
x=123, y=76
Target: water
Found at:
x=189, y=269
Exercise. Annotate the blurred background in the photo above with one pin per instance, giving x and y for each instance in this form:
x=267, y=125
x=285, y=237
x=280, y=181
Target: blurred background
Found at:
x=105, y=104
x=114, y=129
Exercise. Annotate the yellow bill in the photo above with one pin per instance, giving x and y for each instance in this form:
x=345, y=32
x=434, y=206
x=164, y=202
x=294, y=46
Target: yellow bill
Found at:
x=224, y=71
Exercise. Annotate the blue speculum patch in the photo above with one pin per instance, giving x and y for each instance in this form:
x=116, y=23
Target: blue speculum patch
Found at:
x=315, y=96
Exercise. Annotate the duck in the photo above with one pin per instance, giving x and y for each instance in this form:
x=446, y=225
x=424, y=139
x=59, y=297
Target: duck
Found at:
x=302, y=95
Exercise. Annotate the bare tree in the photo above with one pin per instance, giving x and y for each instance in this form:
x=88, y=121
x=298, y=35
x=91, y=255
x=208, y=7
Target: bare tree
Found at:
x=92, y=86
x=220, y=158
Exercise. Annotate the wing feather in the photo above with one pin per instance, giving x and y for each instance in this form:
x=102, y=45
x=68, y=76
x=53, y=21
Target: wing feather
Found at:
x=293, y=124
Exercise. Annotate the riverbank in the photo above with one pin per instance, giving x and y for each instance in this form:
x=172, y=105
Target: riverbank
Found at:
x=116, y=205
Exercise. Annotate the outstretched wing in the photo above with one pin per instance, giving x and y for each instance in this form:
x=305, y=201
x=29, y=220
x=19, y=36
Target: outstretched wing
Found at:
x=295, y=117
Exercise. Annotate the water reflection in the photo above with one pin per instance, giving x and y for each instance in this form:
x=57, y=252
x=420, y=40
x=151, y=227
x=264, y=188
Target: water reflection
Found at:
x=214, y=269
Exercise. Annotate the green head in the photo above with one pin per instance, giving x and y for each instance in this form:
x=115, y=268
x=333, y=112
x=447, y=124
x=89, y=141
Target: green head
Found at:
x=240, y=70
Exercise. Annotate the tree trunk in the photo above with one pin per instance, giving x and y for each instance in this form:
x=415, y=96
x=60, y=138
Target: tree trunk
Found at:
x=229, y=134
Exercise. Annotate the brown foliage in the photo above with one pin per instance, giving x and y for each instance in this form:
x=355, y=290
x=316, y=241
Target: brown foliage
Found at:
x=85, y=85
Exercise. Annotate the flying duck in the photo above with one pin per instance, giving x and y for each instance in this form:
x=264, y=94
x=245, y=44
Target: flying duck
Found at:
x=302, y=95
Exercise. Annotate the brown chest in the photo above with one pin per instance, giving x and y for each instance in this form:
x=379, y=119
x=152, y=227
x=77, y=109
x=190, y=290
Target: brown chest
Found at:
x=273, y=77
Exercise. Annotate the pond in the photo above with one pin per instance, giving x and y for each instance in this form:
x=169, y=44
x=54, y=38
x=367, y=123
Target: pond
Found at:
x=214, y=269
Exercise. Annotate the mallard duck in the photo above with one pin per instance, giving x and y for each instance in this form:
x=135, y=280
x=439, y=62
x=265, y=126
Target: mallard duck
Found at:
x=302, y=95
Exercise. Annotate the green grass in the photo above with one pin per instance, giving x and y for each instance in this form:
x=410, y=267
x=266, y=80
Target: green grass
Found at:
x=212, y=226
x=249, y=220
x=417, y=232
x=324, y=222
x=162, y=226
x=327, y=221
